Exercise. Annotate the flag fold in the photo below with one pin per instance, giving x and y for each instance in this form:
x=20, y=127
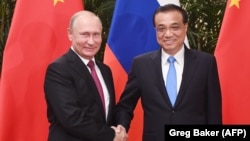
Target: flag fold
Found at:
x=38, y=35
x=232, y=54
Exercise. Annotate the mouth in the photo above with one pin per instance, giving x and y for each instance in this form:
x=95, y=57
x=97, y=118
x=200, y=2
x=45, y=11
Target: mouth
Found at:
x=169, y=42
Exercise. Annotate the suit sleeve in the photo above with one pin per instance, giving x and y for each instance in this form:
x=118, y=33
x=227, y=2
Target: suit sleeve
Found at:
x=128, y=99
x=214, y=108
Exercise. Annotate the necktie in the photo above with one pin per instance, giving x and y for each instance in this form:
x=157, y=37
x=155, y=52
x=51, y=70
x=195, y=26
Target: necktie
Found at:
x=91, y=65
x=171, y=83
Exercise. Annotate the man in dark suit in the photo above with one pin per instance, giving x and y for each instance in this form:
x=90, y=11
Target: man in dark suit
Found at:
x=75, y=109
x=197, y=96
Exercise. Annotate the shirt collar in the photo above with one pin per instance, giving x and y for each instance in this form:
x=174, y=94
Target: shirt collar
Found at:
x=85, y=61
x=179, y=56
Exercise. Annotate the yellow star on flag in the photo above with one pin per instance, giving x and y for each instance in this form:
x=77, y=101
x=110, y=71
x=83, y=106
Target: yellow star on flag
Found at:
x=235, y=3
x=56, y=1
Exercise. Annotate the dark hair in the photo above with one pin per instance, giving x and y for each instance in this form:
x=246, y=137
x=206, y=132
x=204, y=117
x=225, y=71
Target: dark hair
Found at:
x=171, y=7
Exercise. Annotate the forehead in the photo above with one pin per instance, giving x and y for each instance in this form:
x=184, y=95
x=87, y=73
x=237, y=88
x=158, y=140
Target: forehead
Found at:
x=87, y=23
x=87, y=20
x=168, y=17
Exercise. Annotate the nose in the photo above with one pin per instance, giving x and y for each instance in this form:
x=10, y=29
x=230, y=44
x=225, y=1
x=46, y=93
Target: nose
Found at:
x=90, y=40
x=168, y=32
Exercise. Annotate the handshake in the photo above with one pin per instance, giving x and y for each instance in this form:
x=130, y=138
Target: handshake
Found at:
x=120, y=133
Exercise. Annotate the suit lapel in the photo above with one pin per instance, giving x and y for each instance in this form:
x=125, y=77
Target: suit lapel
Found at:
x=190, y=63
x=77, y=64
x=81, y=69
x=156, y=64
x=109, y=84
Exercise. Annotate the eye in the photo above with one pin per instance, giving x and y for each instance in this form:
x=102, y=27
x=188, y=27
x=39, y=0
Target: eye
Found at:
x=97, y=35
x=174, y=28
x=161, y=29
x=84, y=35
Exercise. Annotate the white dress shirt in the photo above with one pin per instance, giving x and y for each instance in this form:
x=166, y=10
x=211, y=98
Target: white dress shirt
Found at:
x=179, y=64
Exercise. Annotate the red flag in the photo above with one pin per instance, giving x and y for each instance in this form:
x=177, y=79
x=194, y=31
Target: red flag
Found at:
x=232, y=53
x=131, y=33
x=38, y=35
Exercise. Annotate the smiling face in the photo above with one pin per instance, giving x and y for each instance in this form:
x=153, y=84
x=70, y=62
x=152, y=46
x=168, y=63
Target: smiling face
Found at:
x=170, y=30
x=85, y=33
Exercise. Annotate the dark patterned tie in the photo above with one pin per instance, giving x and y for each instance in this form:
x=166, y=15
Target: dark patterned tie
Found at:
x=91, y=65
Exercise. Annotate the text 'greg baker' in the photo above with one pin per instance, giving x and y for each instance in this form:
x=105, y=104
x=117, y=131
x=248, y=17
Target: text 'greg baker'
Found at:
x=195, y=132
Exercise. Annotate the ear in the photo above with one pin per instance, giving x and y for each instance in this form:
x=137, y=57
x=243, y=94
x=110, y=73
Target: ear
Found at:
x=186, y=27
x=69, y=34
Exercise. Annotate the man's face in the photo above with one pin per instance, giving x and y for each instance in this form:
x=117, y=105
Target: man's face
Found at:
x=170, y=31
x=86, y=36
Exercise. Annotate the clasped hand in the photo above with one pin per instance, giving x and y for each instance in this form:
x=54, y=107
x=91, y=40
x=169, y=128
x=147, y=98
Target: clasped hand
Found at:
x=120, y=133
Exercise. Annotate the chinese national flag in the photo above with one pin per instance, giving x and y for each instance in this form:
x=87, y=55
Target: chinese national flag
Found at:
x=38, y=35
x=233, y=54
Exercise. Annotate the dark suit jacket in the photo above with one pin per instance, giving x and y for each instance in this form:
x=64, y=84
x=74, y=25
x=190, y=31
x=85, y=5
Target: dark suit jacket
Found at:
x=74, y=107
x=198, y=100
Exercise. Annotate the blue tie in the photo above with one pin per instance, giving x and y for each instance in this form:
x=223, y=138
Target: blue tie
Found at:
x=171, y=83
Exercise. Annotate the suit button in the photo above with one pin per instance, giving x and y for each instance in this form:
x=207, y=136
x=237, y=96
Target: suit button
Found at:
x=173, y=111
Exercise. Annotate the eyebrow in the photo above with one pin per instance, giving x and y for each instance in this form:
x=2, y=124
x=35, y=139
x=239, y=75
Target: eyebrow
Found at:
x=162, y=25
